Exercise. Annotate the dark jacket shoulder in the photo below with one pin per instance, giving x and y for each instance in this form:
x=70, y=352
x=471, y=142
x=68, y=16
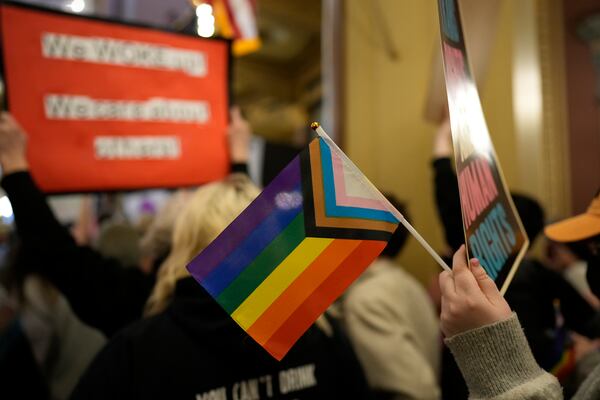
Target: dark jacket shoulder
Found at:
x=194, y=350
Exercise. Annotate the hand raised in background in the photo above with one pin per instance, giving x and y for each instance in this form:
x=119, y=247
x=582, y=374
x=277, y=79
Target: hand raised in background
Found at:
x=470, y=298
x=13, y=143
x=239, y=134
x=442, y=143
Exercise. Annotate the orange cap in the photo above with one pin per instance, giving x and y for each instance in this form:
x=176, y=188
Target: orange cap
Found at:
x=579, y=227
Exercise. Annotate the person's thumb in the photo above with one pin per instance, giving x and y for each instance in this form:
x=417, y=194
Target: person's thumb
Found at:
x=459, y=261
x=486, y=284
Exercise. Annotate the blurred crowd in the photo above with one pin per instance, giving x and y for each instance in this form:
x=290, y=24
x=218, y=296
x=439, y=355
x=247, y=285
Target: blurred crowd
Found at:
x=106, y=308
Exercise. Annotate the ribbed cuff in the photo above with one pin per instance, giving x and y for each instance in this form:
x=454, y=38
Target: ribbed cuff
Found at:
x=441, y=162
x=13, y=179
x=495, y=358
x=239, y=167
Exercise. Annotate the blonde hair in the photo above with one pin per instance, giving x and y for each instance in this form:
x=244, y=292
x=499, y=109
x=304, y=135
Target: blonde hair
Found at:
x=210, y=209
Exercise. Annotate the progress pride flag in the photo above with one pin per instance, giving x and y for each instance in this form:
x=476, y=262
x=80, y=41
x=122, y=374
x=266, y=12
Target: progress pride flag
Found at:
x=109, y=106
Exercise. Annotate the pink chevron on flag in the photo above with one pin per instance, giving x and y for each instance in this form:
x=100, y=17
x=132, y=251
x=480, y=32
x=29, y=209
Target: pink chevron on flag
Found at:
x=342, y=197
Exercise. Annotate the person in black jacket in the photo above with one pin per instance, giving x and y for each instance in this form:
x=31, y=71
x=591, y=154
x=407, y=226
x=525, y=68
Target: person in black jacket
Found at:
x=101, y=292
x=190, y=347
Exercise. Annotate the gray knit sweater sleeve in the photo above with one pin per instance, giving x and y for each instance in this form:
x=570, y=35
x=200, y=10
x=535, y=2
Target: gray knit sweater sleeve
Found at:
x=497, y=364
x=590, y=389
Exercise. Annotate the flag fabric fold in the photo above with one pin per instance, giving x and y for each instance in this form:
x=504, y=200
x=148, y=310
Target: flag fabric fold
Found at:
x=311, y=232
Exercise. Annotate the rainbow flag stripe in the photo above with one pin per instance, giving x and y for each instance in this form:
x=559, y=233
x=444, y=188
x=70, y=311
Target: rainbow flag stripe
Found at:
x=278, y=266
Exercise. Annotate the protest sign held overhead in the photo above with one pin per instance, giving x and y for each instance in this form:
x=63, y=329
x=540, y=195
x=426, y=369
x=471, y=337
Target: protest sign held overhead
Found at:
x=493, y=230
x=110, y=106
x=311, y=232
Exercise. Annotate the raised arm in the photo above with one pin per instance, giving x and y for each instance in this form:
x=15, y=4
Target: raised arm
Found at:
x=101, y=292
x=486, y=339
x=447, y=199
x=239, y=134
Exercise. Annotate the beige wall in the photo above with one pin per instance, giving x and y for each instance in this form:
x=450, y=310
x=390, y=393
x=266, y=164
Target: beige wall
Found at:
x=386, y=134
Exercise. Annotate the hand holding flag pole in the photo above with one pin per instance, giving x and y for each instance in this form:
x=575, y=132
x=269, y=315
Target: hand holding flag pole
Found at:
x=321, y=132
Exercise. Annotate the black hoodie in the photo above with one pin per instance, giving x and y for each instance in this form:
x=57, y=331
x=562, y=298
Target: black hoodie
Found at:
x=195, y=351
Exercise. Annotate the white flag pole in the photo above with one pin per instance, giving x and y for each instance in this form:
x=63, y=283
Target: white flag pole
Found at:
x=423, y=242
x=317, y=128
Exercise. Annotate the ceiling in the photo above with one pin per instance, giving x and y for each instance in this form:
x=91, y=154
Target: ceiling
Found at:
x=286, y=29
x=276, y=85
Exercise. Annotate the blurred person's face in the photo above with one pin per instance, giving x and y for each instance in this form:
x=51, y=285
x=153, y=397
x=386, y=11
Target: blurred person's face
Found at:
x=591, y=247
x=559, y=256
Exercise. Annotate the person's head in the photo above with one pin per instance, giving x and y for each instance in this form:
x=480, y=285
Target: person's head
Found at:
x=399, y=237
x=531, y=213
x=582, y=233
x=208, y=212
x=120, y=241
x=155, y=243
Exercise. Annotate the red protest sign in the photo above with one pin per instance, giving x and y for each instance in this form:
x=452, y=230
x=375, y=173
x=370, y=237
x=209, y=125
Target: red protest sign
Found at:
x=493, y=230
x=110, y=106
